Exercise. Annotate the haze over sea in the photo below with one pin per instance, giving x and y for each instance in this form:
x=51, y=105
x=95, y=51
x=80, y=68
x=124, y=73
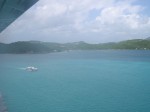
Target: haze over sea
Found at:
x=77, y=81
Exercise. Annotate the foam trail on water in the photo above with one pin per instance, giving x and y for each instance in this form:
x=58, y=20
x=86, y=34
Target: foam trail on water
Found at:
x=21, y=68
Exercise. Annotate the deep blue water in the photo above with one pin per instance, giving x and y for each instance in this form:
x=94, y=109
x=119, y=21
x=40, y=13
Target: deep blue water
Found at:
x=77, y=81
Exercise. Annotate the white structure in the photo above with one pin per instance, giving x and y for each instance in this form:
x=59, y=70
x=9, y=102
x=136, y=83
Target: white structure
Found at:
x=31, y=69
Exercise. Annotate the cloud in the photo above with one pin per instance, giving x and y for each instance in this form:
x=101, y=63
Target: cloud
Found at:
x=76, y=20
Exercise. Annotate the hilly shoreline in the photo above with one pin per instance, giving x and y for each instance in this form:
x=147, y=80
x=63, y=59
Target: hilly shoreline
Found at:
x=31, y=47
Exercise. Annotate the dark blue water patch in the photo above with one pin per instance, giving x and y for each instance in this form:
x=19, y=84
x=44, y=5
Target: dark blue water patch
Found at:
x=3, y=108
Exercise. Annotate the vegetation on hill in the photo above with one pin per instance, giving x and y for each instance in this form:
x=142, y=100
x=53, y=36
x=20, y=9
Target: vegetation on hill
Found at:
x=48, y=47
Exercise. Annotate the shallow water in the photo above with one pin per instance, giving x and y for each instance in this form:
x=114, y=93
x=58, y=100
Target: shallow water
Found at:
x=77, y=81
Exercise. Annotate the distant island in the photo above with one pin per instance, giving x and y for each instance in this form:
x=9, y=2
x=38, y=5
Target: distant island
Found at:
x=24, y=47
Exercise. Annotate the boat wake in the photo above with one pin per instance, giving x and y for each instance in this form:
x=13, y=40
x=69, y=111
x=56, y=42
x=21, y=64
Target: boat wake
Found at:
x=21, y=68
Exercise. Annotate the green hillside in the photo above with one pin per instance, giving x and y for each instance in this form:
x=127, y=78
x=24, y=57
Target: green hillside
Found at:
x=48, y=47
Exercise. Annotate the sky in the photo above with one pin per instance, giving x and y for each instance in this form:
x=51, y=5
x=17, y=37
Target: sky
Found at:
x=92, y=21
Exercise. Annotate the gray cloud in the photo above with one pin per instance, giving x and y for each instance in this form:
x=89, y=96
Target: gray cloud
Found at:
x=93, y=21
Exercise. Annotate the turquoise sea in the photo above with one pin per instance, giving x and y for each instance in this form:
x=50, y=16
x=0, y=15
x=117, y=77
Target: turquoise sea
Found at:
x=77, y=81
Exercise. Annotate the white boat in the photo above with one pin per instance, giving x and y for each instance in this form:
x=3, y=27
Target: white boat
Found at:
x=31, y=69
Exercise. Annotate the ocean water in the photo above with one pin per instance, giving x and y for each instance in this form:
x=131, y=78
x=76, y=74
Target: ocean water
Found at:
x=77, y=81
